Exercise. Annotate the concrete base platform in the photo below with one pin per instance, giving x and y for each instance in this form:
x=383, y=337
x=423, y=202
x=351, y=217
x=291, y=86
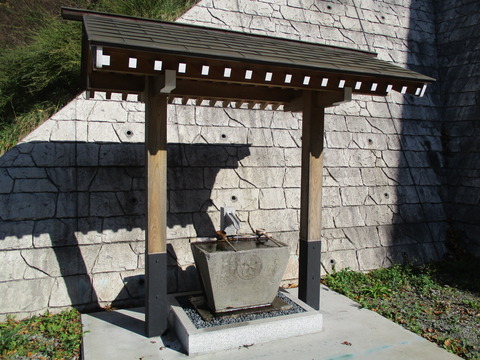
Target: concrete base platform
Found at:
x=349, y=332
x=224, y=337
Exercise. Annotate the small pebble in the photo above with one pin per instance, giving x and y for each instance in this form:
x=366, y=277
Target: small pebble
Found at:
x=199, y=323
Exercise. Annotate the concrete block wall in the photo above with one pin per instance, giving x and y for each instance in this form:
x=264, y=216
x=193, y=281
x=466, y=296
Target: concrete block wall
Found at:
x=72, y=224
x=458, y=24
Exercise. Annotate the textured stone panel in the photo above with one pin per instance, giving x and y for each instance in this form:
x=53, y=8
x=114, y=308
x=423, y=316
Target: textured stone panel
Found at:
x=264, y=157
x=292, y=177
x=348, y=216
x=337, y=260
x=130, y=132
x=114, y=258
x=260, y=177
x=71, y=290
x=181, y=252
x=34, y=186
x=354, y=195
x=240, y=199
x=53, y=262
x=260, y=136
x=346, y=176
x=283, y=138
x=6, y=182
x=331, y=197
x=63, y=131
x=210, y=116
x=27, y=206
x=134, y=282
x=109, y=287
x=54, y=154
x=225, y=135
x=65, y=179
x=105, y=204
x=274, y=220
x=293, y=157
x=373, y=258
x=25, y=173
x=67, y=205
x=219, y=179
x=272, y=199
x=363, y=237
x=124, y=228
x=35, y=295
x=12, y=266
x=107, y=111
x=41, y=133
x=54, y=232
x=292, y=198
x=192, y=177
x=181, y=201
x=339, y=244
x=132, y=202
x=121, y=155
x=16, y=235
x=89, y=230
x=180, y=226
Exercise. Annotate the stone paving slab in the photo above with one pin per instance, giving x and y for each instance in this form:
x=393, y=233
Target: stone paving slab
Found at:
x=349, y=333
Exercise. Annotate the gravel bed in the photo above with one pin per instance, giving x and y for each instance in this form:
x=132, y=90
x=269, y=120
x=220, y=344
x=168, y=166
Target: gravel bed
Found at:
x=199, y=323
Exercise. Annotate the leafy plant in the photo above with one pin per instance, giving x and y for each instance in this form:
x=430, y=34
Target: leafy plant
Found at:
x=430, y=300
x=48, y=336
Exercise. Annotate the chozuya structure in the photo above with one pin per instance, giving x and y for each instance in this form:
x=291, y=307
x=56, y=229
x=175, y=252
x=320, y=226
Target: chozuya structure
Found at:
x=162, y=61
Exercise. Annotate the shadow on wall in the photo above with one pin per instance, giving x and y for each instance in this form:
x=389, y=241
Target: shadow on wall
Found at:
x=421, y=174
x=72, y=217
x=458, y=39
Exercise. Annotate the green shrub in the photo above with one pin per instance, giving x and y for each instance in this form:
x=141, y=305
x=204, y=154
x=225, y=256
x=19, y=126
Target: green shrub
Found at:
x=44, y=74
x=167, y=10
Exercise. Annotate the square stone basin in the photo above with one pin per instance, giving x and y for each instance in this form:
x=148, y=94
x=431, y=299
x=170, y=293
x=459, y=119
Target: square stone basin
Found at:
x=241, y=273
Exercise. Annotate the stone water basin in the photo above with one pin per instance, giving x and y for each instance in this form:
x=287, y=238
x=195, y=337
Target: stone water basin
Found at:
x=245, y=277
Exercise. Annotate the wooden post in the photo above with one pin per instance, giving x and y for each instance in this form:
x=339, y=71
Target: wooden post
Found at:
x=311, y=201
x=156, y=305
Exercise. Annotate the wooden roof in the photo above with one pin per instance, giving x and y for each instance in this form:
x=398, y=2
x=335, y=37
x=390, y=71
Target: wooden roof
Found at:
x=119, y=51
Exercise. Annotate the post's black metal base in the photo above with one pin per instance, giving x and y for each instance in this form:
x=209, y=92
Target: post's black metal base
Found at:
x=309, y=273
x=156, y=304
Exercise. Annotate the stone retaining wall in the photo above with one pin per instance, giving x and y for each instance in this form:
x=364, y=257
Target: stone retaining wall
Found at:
x=458, y=24
x=72, y=224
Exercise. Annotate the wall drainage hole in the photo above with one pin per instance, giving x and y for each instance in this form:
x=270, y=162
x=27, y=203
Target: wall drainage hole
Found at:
x=224, y=136
x=386, y=195
x=129, y=133
x=234, y=198
x=329, y=7
x=370, y=141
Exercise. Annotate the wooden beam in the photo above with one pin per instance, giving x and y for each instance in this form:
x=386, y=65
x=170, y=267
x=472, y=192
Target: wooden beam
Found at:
x=233, y=92
x=156, y=306
x=145, y=66
x=102, y=81
x=311, y=200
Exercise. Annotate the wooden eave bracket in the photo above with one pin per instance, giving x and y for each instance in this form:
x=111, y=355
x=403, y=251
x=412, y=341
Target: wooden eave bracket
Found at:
x=322, y=99
x=347, y=97
x=168, y=82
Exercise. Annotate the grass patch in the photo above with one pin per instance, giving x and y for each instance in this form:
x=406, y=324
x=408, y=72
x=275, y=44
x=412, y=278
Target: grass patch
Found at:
x=43, y=74
x=439, y=301
x=47, y=336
